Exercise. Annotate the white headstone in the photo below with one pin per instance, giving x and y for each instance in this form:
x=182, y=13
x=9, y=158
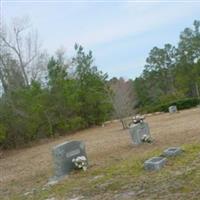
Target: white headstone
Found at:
x=172, y=109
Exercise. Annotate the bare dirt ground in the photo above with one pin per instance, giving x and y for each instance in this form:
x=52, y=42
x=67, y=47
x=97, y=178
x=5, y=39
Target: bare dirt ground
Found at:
x=102, y=144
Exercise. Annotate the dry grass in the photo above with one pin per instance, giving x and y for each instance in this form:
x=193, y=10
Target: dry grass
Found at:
x=21, y=170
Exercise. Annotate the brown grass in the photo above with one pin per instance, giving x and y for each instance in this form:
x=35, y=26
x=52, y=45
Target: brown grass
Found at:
x=28, y=168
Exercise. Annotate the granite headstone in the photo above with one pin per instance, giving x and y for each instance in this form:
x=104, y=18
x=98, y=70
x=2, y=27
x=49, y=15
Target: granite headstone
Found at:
x=137, y=131
x=63, y=155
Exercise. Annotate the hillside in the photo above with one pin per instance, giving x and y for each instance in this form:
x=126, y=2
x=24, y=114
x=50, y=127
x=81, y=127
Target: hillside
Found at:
x=116, y=166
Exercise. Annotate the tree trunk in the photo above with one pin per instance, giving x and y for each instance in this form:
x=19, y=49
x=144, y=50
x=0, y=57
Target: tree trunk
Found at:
x=197, y=89
x=123, y=124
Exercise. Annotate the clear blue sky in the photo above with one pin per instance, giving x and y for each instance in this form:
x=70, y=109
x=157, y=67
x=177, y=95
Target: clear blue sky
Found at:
x=119, y=34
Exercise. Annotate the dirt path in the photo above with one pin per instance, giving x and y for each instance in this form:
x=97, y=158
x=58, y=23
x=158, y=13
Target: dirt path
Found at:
x=103, y=143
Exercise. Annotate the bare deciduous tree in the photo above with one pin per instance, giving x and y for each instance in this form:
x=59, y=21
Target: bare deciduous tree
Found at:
x=122, y=99
x=20, y=46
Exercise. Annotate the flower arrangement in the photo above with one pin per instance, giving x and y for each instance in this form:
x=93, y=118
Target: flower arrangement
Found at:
x=80, y=162
x=146, y=138
x=138, y=119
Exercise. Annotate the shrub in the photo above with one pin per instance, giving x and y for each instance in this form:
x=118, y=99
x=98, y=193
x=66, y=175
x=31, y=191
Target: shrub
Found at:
x=181, y=104
x=2, y=133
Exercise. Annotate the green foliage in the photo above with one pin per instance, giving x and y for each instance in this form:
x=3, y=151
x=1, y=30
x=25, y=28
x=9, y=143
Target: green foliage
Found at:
x=23, y=115
x=67, y=103
x=181, y=104
x=95, y=104
x=2, y=133
x=171, y=73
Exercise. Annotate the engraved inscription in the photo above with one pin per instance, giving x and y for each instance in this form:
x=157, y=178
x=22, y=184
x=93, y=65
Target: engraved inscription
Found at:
x=72, y=153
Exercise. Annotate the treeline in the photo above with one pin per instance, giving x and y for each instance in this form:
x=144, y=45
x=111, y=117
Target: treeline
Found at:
x=60, y=96
x=44, y=96
x=171, y=73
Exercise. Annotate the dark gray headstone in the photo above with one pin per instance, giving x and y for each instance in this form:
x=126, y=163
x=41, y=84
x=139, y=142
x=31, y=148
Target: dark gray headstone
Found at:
x=63, y=155
x=155, y=163
x=137, y=131
x=172, y=151
x=172, y=109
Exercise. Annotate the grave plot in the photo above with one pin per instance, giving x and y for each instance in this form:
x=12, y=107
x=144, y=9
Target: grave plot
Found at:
x=154, y=163
x=64, y=155
x=172, y=151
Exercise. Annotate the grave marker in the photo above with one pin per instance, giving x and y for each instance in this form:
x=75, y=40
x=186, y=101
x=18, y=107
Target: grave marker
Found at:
x=63, y=155
x=154, y=163
x=172, y=109
x=172, y=151
x=138, y=131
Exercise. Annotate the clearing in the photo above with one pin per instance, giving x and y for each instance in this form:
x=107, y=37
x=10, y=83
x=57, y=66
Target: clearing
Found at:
x=116, y=166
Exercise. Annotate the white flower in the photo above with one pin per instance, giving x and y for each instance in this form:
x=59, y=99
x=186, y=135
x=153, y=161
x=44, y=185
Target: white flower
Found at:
x=146, y=138
x=80, y=162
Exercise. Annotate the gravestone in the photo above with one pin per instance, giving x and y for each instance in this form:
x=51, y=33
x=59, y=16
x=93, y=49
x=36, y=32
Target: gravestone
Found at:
x=172, y=151
x=154, y=163
x=172, y=109
x=63, y=155
x=137, y=131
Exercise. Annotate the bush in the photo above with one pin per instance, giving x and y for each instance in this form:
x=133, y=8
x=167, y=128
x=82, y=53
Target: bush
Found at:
x=181, y=104
x=64, y=105
x=2, y=133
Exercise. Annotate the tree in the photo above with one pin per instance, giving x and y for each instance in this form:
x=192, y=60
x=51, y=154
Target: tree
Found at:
x=171, y=72
x=188, y=68
x=20, y=45
x=123, y=98
x=93, y=96
x=160, y=68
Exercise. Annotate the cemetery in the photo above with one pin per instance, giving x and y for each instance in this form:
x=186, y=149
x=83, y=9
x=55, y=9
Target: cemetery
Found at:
x=99, y=100
x=110, y=162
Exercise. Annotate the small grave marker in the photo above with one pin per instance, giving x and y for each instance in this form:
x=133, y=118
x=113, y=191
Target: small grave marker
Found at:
x=172, y=151
x=154, y=163
x=172, y=109
x=63, y=155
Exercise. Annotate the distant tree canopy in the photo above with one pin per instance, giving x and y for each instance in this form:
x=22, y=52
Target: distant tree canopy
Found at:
x=171, y=72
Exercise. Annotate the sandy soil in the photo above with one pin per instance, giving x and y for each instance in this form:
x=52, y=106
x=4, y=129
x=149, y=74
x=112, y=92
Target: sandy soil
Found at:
x=102, y=143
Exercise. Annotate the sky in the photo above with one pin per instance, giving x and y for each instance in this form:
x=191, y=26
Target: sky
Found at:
x=119, y=33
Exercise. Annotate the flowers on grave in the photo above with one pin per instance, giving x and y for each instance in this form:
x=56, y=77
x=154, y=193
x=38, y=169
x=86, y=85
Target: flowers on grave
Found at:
x=80, y=162
x=138, y=119
x=146, y=138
